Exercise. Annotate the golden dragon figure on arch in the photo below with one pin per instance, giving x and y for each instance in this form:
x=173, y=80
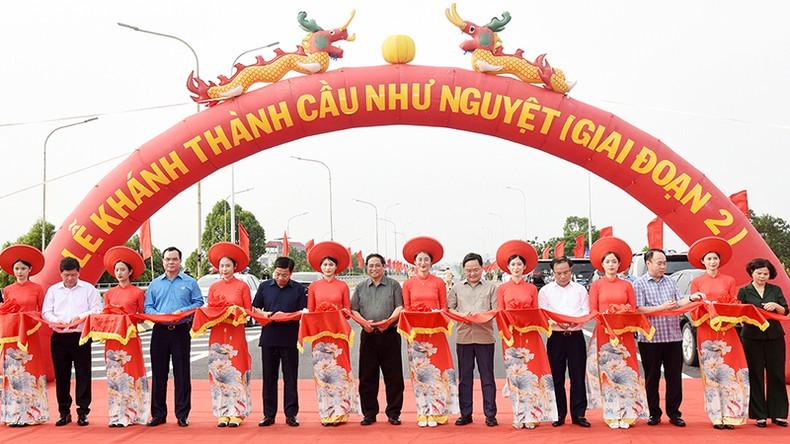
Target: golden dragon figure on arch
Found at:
x=488, y=56
x=311, y=57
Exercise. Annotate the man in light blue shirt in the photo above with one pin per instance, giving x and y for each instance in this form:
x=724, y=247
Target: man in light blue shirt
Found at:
x=172, y=293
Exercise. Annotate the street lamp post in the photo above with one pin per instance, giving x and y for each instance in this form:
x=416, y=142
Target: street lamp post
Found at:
x=386, y=244
x=490, y=232
x=331, y=224
x=288, y=224
x=501, y=224
x=232, y=166
x=44, y=182
x=232, y=219
x=524, y=197
x=376, y=220
x=197, y=108
x=394, y=231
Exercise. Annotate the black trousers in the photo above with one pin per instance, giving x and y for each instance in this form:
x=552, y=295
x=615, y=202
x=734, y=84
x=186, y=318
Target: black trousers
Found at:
x=568, y=352
x=483, y=354
x=66, y=350
x=380, y=352
x=766, y=360
x=167, y=344
x=670, y=355
x=272, y=357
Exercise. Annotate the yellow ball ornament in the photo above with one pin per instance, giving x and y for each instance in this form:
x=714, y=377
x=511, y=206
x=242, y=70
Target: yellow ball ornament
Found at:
x=398, y=49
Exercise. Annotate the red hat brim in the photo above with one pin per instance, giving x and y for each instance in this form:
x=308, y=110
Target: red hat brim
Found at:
x=703, y=246
x=231, y=250
x=331, y=249
x=127, y=255
x=521, y=248
x=421, y=244
x=610, y=245
x=21, y=252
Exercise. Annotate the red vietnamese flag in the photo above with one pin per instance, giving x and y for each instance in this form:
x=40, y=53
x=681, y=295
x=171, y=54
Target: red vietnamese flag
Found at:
x=360, y=260
x=286, y=248
x=578, y=251
x=655, y=234
x=244, y=239
x=606, y=232
x=559, y=249
x=350, y=257
x=741, y=200
x=145, y=240
x=546, y=253
x=309, y=245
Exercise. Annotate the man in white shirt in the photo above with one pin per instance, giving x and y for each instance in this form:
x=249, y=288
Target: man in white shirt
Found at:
x=566, y=347
x=67, y=302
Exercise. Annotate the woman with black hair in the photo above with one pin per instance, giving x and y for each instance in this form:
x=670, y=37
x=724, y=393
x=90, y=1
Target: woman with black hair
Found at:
x=765, y=350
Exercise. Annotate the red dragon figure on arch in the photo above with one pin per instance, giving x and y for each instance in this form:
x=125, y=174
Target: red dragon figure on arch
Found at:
x=488, y=56
x=311, y=57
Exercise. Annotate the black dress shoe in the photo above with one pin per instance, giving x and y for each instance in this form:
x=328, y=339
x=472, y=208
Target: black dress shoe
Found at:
x=463, y=420
x=491, y=421
x=82, y=420
x=581, y=422
x=183, y=422
x=63, y=420
x=653, y=420
x=157, y=421
x=760, y=423
x=291, y=421
x=780, y=422
x=266, y=422
x=366, y=421
x=558, y=423
x=394, y=420
x=677, y=422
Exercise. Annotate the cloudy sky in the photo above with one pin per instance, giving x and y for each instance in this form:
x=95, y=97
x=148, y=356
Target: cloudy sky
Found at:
x=708, y=79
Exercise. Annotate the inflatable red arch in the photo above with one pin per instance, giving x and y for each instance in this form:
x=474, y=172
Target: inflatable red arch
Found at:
x=401, y=94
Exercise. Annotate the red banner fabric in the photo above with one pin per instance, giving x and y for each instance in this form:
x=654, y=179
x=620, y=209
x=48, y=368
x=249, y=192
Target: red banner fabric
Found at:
x=546, y=253
x=578, y=251
x=286, y=247
x=559, y=249
x=655, y=234
x=741, y=200
x=244, y=239
x=146, y=246
x=607, y=232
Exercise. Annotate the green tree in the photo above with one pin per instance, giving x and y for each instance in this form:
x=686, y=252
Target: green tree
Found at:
x=574, y=226
x=32, y=238
x=776, y=232
x=134, y=244
x=217, y=229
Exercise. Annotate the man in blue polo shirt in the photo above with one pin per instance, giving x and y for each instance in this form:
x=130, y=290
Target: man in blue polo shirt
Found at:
x=172, y=293
x=278, y=340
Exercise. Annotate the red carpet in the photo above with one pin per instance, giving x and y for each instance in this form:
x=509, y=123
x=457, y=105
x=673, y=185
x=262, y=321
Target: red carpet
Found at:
x=203, y=428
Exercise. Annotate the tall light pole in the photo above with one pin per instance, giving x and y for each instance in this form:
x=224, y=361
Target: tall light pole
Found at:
x=233, y=221
x=197, y=108
x=288, y=224
x=501, y=224
x=232, y=166
x=44, y=182
x=376, y=220
x=524, y=197
x=331, y=224
x=491, y=232
x=589, y=210
x=386, y=244
x=394, y=230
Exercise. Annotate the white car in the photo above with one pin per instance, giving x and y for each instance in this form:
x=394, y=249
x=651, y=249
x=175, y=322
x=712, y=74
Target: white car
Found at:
x=205, y=282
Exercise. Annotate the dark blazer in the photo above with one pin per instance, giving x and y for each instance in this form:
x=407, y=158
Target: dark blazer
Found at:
x=772, y=293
